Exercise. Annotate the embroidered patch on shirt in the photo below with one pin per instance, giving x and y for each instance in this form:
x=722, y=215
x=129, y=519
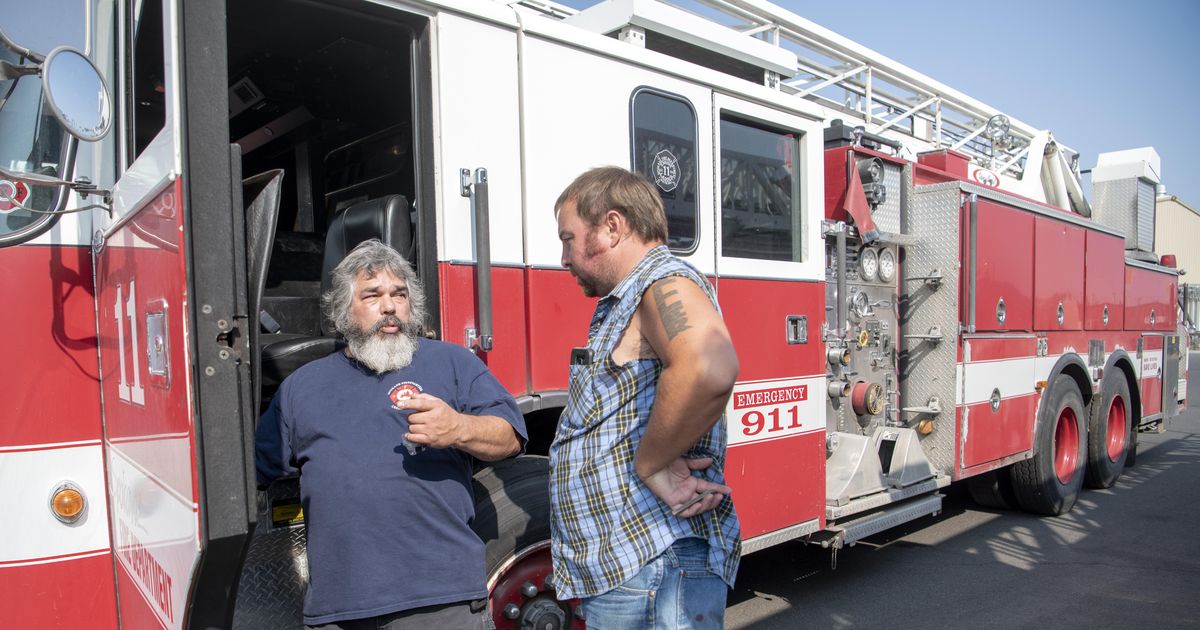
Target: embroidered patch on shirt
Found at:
x=403, y=391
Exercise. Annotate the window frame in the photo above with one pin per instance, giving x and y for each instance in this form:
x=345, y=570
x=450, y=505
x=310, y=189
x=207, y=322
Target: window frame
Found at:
x=795, y=212
x=653, y=91
x=808, y=129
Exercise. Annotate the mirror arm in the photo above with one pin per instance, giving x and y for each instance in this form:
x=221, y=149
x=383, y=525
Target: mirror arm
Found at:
x=83, y=186
x=20, y=50
x=34, y=178
x=9, y=71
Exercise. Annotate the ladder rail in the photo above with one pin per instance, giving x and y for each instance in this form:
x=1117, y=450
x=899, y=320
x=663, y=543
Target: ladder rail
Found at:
x=861, y=85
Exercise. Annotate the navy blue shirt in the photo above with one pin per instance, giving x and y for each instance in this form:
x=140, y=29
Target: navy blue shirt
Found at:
x=387, y=531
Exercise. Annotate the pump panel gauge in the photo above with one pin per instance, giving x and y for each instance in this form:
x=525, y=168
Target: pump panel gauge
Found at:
x=887, y=265
x=860, y=304
x=868, y=264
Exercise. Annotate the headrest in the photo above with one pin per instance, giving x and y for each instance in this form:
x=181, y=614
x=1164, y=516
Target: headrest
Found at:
x=388, y=219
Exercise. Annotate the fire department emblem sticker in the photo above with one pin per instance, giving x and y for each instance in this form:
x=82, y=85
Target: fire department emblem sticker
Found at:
x=666, y=170
x=986, y=177
x=11, y=194
x=403, y=391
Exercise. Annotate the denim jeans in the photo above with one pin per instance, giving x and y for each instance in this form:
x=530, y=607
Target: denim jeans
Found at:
x=673, y=591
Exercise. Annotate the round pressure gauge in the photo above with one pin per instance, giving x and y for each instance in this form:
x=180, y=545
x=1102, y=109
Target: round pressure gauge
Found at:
x=860, y=304
x=868, y=264
x=887, y=265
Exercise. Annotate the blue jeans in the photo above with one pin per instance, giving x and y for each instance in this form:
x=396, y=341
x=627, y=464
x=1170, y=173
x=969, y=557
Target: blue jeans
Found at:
x=674, y=591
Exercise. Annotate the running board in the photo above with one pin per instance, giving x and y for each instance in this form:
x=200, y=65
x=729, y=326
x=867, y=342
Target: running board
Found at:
x=771, y=539
x=880, y=499
x=854, y=530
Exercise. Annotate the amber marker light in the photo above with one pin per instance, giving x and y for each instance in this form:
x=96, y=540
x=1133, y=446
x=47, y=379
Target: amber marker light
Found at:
x=67, y=502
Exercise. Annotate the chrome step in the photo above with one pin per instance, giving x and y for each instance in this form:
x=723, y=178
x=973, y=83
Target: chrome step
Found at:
x=854, y=530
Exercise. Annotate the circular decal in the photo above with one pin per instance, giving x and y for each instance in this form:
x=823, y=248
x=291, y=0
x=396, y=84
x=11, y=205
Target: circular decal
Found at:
x=986, y=177
x=403, y=391
x=666, y=170
x=9, y=192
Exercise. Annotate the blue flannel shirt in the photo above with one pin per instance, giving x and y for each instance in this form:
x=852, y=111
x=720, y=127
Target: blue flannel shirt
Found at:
x=606, y=523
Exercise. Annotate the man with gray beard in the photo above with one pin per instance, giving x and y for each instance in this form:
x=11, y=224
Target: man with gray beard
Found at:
x=384, y=437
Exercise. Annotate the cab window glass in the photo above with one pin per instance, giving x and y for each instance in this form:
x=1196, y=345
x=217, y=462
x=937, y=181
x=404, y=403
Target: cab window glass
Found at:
x=146, y=110
x=760, y=192
x=664, y=151
x=31, y=139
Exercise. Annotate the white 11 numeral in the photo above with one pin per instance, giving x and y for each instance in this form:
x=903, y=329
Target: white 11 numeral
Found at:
x=128, y=310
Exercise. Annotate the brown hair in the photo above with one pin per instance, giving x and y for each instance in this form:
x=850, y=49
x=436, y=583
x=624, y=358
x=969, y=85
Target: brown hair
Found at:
x=613, y=188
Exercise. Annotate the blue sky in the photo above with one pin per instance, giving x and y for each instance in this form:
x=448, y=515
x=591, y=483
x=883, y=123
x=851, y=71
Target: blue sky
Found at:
x=1102, y=75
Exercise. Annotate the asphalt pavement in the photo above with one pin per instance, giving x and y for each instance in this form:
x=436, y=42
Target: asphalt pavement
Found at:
x=1125, y=557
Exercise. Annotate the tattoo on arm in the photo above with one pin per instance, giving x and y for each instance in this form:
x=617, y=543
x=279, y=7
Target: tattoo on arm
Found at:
x=674, y=318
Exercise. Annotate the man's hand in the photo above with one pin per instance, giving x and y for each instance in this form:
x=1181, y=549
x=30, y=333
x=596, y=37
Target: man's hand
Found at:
x=677, y=486
x=432, y=422
x=435, y=424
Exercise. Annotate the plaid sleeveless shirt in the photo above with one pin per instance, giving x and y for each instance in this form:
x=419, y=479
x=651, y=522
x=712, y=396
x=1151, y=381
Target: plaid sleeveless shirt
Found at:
x=605, y=523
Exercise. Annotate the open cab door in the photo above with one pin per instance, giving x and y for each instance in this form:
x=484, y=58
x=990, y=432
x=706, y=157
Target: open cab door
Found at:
x=171, y=304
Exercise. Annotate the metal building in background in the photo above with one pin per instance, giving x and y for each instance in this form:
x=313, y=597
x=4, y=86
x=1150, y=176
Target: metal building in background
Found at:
x=1177, y=231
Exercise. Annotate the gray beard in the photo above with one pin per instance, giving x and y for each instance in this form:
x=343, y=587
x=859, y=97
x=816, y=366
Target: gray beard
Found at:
x=382, y=353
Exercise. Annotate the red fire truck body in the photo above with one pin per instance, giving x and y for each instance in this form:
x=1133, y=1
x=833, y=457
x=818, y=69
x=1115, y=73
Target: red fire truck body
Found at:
x=907, y=313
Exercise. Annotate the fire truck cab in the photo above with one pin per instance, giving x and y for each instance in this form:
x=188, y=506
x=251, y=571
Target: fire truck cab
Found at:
x=176, y=187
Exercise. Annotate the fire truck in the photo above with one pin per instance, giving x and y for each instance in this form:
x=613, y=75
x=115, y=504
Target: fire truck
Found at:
x=918, y=289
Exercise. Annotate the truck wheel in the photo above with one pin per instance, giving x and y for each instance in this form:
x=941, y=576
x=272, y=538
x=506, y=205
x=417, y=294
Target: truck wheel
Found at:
x=1048, y=483
x=993, y=489
x=512, y=516
x=1108, y=432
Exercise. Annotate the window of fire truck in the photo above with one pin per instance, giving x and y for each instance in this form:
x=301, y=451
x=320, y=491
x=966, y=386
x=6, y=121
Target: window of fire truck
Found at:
x=145, y=110
x=664, y=151
x=760, y=192
x=31, y=139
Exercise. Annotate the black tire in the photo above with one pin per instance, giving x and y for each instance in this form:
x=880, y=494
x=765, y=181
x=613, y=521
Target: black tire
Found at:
x=512, y=506
x=1049, y=482
x=1109, y=429
x=993, y=489
x=1132, y=452
x=512, y=517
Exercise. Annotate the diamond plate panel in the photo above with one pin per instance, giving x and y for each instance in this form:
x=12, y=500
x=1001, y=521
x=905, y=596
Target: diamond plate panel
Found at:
x=1116, y=205
x=275, y=575
x=1145, y=215
x=1171, y=371
x=887, y=215
x=927, y=369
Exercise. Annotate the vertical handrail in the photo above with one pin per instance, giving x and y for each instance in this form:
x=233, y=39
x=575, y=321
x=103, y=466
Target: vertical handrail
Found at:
x=972, y=286
x=475, y=186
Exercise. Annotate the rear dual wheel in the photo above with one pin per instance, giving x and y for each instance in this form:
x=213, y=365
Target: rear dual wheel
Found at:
x=1049, y=482
x=1109, y=431
x=993, y=489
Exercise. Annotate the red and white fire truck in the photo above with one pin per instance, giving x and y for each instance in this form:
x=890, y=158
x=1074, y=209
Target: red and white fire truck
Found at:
x=919, y=292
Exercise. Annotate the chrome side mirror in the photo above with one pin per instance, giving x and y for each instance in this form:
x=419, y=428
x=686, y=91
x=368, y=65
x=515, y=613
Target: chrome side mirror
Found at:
x=72, y=87
x=76, y=94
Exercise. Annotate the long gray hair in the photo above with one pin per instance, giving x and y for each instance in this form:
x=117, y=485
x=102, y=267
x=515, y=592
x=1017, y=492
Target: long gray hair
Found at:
x=370, y=257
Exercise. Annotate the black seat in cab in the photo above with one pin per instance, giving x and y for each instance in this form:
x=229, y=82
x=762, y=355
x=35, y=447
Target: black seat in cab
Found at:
x=387, y=219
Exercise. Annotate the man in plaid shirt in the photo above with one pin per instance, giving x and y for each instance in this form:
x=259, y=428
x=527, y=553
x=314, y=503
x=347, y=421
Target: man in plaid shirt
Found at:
x=643, y=529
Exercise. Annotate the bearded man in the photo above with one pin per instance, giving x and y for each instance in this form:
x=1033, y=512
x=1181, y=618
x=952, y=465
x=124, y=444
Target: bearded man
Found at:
x=384, y=436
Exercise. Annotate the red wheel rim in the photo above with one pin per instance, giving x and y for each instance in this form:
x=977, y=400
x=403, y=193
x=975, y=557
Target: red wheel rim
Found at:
x=1116, y=429
x=530, y=565
x=1066, y=445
